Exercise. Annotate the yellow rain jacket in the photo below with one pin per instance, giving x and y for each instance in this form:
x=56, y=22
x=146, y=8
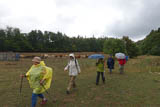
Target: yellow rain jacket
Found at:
x=36, y=73
x=100, y=67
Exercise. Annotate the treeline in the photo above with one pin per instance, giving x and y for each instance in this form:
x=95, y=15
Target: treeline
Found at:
x=124, y=45
x=11, y=39
x=151, y=44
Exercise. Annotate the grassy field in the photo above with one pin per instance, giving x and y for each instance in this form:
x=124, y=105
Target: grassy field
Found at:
x=138, y=87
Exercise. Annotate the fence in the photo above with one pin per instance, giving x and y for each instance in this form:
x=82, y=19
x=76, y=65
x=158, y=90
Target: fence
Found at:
x=9, y=56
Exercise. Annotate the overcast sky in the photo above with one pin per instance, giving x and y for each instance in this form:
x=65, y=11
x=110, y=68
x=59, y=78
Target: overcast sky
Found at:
x=111, y=18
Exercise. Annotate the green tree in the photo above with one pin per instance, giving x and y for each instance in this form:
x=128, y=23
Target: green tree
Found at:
x=36, y=40
x=131, y=48
x=2, y=40
x=150, y=45
x=112, y=46
x=11, y=39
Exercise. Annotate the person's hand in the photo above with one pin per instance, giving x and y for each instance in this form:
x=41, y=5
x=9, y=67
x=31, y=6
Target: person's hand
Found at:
x=65, y=69
x=22, y=76
x=42, y=81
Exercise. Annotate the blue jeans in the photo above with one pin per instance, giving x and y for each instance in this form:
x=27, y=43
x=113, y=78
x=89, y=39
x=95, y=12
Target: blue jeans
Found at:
x=34, y=98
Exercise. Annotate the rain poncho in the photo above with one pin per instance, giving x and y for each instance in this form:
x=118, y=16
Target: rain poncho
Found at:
x=36, y=73
x=73, y=67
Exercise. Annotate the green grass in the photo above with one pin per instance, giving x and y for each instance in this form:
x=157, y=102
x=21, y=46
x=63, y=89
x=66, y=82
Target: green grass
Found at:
x=136, y=88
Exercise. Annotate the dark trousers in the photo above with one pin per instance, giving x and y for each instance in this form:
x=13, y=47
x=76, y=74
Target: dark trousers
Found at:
x=98, y=76
x=110, y=70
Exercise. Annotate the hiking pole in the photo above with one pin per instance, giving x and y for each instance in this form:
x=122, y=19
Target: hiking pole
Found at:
x=21, y=85
x=20, y=90
x=45, y=89
x=47, y=93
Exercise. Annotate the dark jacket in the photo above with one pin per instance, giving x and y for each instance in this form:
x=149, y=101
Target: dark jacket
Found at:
x=110, y=63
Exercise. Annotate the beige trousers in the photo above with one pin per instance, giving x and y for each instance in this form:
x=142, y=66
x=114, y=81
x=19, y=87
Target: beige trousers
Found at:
x=71, y=83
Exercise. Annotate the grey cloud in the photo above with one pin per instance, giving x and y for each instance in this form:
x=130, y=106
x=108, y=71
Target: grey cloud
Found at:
x=140, y=16
x=144, y=21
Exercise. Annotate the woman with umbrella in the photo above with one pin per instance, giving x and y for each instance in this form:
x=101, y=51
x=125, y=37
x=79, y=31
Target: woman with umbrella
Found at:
x=100, y=66
x=121, y=59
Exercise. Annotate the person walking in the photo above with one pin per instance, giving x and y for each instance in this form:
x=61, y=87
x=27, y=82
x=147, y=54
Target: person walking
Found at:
x=74, y=69
x=40, y=77
x=100, y=70
x=110, y=63
x=121, y=65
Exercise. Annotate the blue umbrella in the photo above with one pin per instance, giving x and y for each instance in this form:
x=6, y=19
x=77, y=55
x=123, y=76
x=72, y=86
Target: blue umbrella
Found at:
x=96, y=56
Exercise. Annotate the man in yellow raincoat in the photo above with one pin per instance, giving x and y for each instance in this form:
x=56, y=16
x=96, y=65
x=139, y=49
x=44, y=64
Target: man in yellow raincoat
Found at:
x=40, y=77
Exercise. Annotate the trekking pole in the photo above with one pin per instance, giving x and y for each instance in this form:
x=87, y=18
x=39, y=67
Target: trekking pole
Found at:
x=47, y=93
x=20, y=91
x=21, y=85
x=45, y=89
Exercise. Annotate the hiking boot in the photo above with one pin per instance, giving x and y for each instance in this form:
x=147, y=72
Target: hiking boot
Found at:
x=67, y=92
x=44, y=101
x=96, y=83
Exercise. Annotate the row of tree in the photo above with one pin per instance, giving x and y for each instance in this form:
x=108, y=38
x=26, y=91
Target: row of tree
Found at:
x=124, y=45
x=11, y=39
